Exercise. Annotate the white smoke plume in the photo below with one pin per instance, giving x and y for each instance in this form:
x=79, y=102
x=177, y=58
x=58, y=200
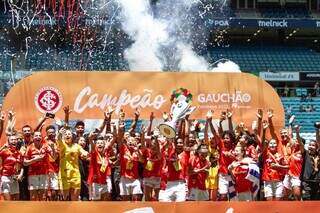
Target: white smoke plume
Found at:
x=228, y=66
x=165, y=40
x=190, y=61
x=146, y=32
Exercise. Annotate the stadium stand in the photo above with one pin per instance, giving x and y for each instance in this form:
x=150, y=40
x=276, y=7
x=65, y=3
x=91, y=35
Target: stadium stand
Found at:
x=249, y=57
x=223, y=11
x=247, y=13
x=284, y=12
x=74, y=59
x=305, y=119
x=270, y=58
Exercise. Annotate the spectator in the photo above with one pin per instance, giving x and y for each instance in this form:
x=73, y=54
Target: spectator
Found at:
x=308, y=108
x=289, y=111
x=311, y=173
x=303, y=98
x=2, y=87
x=316, y=89
x=309, y=97
x=286, y=91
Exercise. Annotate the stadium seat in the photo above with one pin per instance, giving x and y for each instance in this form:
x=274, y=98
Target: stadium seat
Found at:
x=305, y=119
x=272, y=58
x=284, y=12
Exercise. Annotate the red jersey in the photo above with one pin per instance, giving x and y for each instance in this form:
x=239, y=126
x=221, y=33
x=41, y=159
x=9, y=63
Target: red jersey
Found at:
x=53, y=164
x=128, y=163
x=99, y=168
x=152, y=165
x=11, y=160
x=39, y=167
x=251, y=152
x=177, y=165
x=163, y=170
x=224, y=160
x=198, y=180
x=272, y=174
x=295, y=164
x=164, y=178
x=242, y=184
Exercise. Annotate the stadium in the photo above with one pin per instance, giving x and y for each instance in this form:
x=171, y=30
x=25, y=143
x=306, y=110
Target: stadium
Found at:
x=142, y=76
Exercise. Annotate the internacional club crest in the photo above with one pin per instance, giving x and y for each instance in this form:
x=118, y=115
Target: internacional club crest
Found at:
x=48, y=99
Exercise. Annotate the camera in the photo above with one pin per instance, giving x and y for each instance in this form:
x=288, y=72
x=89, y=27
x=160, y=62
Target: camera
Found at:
x=50, y=115
x=317, y=125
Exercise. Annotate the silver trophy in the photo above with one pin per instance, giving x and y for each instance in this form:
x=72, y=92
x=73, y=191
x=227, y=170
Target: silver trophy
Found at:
x=178, y=111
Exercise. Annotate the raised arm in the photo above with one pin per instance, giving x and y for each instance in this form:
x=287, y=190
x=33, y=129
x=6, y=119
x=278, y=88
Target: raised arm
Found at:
x=259, y=121
x=299, y=139
x=271, y=126
x=181, y=129
x=186, y=131
x=143, y=132
x=291, y=121
x=213, y=131
x=121, y=128
x=41, y=122
x=241, y=128
x=67, y=113
x=107, y=120
x=111, y=140
x=2, y=117
x=229, y=116
x=317, y=126
x=11, y=123
x=222, y=118
x=150, y=123
x=265, y=126
x=256, y=135
x=206, y=128
x=92, y=137
x=103, y=125
x=135, y=121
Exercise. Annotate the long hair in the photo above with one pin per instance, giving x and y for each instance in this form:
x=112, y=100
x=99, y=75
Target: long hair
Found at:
x=231, y=135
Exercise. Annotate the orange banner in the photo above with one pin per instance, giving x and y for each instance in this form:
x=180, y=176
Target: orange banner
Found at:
x=89, y=93
x=156, y=207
